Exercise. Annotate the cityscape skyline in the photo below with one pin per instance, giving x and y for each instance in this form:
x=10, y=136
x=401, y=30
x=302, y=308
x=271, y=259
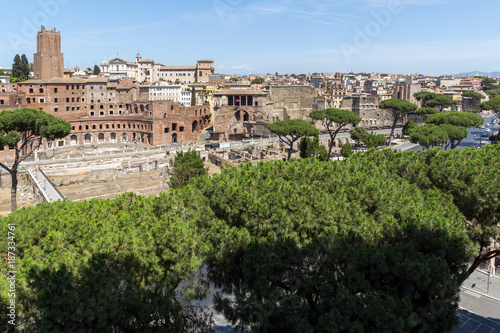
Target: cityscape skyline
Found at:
x=432, y=37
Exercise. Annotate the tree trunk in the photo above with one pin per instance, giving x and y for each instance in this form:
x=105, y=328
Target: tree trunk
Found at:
x=13, y=191
x=290, y=152
x=392, y=131
x=330, y=146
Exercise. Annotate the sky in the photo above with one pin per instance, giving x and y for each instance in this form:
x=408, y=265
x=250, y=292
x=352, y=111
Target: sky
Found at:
x=431, y=37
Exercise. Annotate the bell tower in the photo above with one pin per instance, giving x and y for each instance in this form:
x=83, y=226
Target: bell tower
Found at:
x=48, y=61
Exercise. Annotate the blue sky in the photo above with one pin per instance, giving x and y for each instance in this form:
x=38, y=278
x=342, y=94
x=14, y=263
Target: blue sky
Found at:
x=432, y=37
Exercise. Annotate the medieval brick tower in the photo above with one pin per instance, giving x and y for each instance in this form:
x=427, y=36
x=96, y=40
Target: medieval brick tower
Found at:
x=48, y=60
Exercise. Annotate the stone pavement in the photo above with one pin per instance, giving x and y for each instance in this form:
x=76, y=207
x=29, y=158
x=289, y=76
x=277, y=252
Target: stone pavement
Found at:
x=479, y=304
x=479, y=282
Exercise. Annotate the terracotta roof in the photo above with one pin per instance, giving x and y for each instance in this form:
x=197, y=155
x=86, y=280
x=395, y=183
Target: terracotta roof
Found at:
x=61, y=80
x=178, y=67
x=125, y=86
x=98, y=79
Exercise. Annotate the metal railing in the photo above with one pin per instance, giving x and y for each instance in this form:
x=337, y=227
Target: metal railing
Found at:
x=48, y=190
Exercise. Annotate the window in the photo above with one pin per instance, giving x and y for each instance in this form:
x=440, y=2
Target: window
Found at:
x=86, y=127
x=28, y=100
x=67, y=108
x=165, y=130
x=41, y=100
x=93, y=126
x=113, y=126
x=41, y=90
x=181, y=129
x=118, y=126
x=77, y=108
x=67, y=99
x=92, y=113
x=67, y=87
x=80, y=127
x=72, y=99
x=174, y=126
x=107, y=126
x=56, y=100
x=55, y=90
x=72, y=108
x=100, y=126
x=56, y=109
x=111, y=112
x=72, y=87
x=102, y=107
x=91, y=107
x=101, y=113
x=31, y=90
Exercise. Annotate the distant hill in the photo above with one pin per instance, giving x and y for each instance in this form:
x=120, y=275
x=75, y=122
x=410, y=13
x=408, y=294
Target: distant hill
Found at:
x=474, y=73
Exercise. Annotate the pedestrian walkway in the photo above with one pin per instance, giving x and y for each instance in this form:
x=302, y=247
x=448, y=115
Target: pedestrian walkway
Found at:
x=48, y=190
x=482, y=283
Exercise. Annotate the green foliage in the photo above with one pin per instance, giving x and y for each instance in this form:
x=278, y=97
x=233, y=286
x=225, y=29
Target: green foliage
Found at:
x=489, y=84
x=335, y=120
x=22, y=127
x=494, y=106
x=493, y=93
x=290, y=130
x=470, y=176
x=373, y=140
x=426, y=111
x=358, y=134
x=455, y=134
x=346, y=150
x=397, y=108
x=441, y=102
x=185, y=166
x=429, y=135
x=456, y=118
x=310, y=245
x=408, y=127
x=472, y=94
x=452, y=124
x=97, y=70
x=378, y=242
x=233, y=79
x=258, y=80
x=424, y=96
x=106, y=265
x=338, y=116
x=20, y=68
x=31, y=123
x=312, y=148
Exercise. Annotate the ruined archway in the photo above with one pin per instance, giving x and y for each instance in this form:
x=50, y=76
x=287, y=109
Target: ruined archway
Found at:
x=195, y=126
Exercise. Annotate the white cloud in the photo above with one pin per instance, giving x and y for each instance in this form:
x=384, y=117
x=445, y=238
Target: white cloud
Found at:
x=244, y=67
